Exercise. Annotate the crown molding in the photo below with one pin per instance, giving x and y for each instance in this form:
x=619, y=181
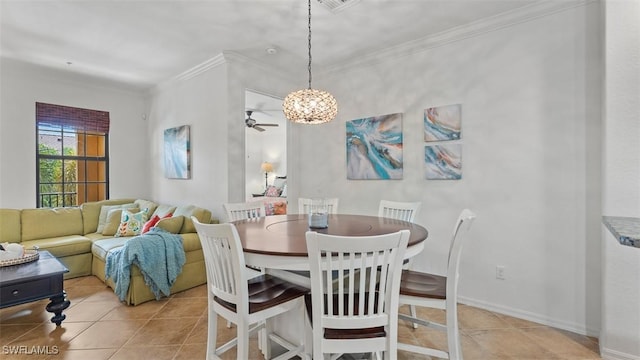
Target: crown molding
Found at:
x=235, y=57
x=476, y=28
x=191, y=73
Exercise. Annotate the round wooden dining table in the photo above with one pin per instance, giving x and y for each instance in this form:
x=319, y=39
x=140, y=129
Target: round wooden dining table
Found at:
x=279, y=241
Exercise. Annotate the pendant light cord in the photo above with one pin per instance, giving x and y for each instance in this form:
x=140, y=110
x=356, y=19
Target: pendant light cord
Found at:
x=309, y=67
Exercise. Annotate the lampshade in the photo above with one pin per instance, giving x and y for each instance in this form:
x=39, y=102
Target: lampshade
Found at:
x=310, y=106
x=266, y=166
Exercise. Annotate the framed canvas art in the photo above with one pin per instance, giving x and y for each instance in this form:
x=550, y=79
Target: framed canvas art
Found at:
x=177, y=153
x=443, y=162
x=442, y=123
x=374, y=148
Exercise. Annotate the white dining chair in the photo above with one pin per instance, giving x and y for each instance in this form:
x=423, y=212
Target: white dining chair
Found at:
x=406, y=211
x=304, y=205
x=246, y=302
x=358, y=311
x=439, y=292
x=244, y=211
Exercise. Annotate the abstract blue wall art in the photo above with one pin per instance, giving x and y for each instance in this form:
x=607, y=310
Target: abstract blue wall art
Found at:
x=443, y=162
x=177, y=153
x=374, y=148
x=442, y=123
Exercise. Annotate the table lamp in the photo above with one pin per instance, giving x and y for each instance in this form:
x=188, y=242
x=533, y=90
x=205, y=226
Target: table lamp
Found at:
x=267, y=167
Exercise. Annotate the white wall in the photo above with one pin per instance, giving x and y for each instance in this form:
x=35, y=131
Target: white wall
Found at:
x=200, y=102
x=21, y=86
x=530, y=103
x=620, y=333
x=211, y=101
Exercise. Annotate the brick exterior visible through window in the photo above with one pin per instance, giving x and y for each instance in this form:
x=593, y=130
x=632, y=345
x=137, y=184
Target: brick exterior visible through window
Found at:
x=72, y=162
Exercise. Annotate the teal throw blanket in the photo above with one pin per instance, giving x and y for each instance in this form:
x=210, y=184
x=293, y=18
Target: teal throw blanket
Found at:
x=158, y=254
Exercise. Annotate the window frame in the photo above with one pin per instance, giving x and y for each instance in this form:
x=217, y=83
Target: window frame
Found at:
x=85, y=126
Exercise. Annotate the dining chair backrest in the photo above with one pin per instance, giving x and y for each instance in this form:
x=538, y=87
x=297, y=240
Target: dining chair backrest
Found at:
x=460, y=230
x=224, y=262
x=304, y=205
x=244, y=211
x=406, y=211
x=366, y=291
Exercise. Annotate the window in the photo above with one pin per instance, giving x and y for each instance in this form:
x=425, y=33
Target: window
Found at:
x=72, y=161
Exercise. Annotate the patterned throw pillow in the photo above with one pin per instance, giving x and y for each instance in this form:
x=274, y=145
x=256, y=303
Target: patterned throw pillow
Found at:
x=131, y=223
x=272, y=191
x=113, y=221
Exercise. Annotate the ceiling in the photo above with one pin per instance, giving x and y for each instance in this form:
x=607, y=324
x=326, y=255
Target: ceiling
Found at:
x=144, y=42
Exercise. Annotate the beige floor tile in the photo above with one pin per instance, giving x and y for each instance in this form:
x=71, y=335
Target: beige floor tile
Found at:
x=163, y=332
x=510, y=343
x=103, y=295
x=143, y=311
x=191, y=352
x=565, y=344
x=182, y=307
x=89, y=310
x=30, y=313
x=518, y=323
x=158, y=352
x=76, y=294
x=86, y=354
x=197, y=292
x=176, y=328
x=199, y=333
x=474, y=318
x=50, y=334
x=10, y=332
x=106, y=334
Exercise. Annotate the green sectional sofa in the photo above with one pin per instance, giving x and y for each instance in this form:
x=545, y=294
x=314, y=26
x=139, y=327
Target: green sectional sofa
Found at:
x=72, y=235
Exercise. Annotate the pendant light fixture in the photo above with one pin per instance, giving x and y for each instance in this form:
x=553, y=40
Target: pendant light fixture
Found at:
x=310, y=106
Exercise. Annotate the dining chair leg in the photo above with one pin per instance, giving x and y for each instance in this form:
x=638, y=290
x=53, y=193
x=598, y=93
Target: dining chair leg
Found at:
x=453, y=333
x=212, y=332
x=243, y=340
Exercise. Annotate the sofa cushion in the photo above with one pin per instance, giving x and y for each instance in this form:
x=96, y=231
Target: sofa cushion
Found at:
x=163, y=210
x=48, y=223
x=146, y=204
x=100, y=248
x=172, y=224
x=113, y=221
x=104, y=212
x=91, y=212
x=131, y=223
x=9, y=225
x=203, y=215
x=191, y=242
x=62, y=246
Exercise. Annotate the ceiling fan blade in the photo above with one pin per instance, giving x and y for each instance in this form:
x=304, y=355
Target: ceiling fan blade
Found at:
x=267, y=125
x=258, y=128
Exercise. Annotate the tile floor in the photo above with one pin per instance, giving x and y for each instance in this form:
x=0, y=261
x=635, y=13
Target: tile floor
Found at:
x=99, y=327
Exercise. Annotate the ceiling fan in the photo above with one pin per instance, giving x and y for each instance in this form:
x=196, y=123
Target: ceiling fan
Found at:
x=251, y=123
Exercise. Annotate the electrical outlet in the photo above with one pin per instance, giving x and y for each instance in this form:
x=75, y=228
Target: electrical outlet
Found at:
x=500, y=269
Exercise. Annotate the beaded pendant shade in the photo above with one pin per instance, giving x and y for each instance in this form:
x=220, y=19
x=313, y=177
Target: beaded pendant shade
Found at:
x=310, y=106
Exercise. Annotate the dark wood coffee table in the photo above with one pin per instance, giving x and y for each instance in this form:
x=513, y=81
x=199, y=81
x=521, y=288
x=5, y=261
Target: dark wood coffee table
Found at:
x=36, y=280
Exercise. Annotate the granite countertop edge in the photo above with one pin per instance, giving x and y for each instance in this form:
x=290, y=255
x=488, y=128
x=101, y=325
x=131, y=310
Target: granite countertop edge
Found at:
x=625, y=229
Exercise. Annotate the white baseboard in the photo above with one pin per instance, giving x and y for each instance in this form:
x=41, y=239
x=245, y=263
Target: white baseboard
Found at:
x=537, y=318
x=608, y=354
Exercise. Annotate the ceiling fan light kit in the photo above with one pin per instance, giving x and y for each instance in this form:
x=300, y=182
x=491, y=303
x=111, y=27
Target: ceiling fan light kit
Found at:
x=310, y=106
